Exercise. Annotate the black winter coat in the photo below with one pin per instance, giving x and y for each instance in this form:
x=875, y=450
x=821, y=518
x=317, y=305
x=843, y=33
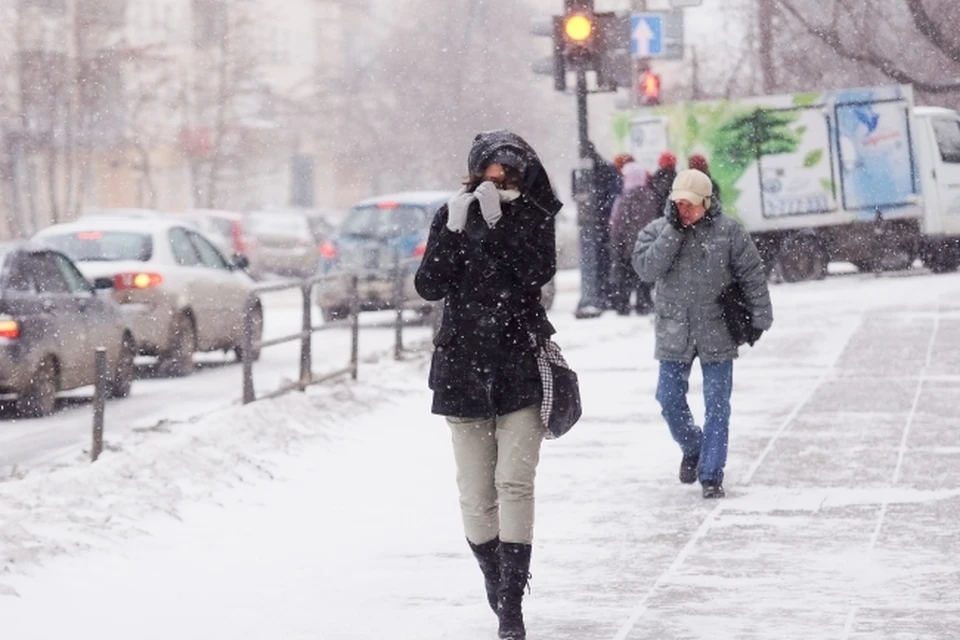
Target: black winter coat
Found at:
x=484, y=363
x=662, y=184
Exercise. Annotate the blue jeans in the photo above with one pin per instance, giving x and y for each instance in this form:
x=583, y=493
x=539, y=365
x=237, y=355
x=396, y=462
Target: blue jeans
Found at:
x=711, y=443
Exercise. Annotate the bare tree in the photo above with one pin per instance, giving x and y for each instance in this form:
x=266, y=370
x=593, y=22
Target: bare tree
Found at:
x=907, y=41
x=244, y=125
x=435, y=88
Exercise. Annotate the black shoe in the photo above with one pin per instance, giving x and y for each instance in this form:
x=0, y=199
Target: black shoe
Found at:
x=587, y=312
x=713, y=490
x=488, y=557
x=688, y=469
x=514, y=574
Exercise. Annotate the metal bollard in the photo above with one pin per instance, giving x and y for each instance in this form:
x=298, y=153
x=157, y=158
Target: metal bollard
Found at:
x=354, y=325
x=399, y=301
x=99, y=401
x=306, y=343
x=249, y=394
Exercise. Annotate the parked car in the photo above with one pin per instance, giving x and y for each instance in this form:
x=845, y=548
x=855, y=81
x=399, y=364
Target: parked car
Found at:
x=51, y=322
x=373, y=235
x=180, y=294
x=226, y=229
x=285, y=243
x=376, y=233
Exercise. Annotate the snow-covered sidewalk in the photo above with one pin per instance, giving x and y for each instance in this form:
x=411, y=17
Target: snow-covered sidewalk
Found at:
x=333, y=515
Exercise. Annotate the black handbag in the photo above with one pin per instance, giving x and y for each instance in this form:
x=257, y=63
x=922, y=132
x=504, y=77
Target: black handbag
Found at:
x=738, y=315
x=560, y=406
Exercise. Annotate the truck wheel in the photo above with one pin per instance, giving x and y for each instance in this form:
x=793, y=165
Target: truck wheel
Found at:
x=803, y=258
x=943, y=260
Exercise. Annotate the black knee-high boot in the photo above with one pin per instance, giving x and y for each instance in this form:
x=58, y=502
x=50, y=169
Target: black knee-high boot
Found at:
x=488, y=557
x=514, y=574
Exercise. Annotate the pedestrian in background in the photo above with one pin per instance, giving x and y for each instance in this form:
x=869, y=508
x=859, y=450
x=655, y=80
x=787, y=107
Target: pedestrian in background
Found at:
x=490, y=250
x=633, y=210
x=594, y=237
x=699, y=162
x=662, y=180
x=693, y=254
x=621, y=160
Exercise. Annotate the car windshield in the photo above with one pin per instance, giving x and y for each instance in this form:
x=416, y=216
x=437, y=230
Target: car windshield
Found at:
x=103, y=246
x=280, y=225
x=382, y=221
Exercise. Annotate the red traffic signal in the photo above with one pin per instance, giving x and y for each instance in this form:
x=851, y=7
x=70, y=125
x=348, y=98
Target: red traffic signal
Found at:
x=649, y=88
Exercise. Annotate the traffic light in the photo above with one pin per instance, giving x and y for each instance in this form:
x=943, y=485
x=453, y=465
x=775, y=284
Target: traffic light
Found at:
x=585, y=40
x=578, y=35
x=648, y=88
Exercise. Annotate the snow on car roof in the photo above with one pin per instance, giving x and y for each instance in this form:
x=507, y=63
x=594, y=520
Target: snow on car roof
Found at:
x=95, y=222
x=415, y=198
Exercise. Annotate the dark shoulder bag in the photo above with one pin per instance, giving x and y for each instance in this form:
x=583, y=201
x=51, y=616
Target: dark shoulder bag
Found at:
x=560, y=407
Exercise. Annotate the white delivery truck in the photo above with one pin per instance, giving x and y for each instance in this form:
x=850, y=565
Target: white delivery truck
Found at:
x=856, y=175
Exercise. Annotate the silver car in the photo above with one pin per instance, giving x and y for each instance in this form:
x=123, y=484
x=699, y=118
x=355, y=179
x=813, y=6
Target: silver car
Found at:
x=51, y=322
x=285, y=243
x=179, y=293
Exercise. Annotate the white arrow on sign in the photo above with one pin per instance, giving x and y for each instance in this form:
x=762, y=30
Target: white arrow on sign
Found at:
x=643, y=34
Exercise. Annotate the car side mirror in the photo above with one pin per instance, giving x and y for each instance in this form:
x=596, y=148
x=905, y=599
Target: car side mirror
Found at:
x=240, y=261
x=102, y=284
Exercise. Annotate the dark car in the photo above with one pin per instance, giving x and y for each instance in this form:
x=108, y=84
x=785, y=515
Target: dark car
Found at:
x=375, y=234
x=51, y=322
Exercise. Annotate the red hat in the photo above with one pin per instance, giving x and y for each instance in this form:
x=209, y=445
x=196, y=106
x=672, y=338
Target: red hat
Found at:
x=667, y=160
x=622, y=159
x=698, y=162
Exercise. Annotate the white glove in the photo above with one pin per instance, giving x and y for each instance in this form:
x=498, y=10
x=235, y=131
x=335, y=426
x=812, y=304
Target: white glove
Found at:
x=457, y=208
x=489, y=199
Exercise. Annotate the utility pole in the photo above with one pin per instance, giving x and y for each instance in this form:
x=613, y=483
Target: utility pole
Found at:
x=765, y=14
x=696, y=90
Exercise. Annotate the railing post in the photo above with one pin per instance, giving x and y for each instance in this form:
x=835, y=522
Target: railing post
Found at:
x=306, y=344
x=354, y=324
x=400, y=302
x=99, y=400
x=249, y=395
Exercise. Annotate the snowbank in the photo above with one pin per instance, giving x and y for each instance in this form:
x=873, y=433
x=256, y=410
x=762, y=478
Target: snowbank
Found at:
x=151, y=472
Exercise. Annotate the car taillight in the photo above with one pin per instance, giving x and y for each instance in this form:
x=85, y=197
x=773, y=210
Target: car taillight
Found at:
x=328, y=250
x=239, y=239
x=419, y=250
x=9, y=328
x=123, y=281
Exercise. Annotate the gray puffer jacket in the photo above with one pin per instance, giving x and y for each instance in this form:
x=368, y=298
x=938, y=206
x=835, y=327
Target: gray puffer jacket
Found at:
x=690, y=269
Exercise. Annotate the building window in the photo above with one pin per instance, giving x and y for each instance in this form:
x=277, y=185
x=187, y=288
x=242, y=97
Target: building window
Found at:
x=209, y=22
x=42, y=99
x=103, y=111
x=58, y=7
x=108, y=13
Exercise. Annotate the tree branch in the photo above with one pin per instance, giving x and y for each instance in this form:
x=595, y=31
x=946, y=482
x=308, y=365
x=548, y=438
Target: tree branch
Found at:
x=831, y=37
x=931, y=30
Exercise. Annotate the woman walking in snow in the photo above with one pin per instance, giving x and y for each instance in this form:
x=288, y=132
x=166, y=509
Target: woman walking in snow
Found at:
x=491, y=248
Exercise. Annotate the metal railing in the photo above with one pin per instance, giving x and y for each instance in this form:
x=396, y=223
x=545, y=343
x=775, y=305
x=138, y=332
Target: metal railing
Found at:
x=308, y=377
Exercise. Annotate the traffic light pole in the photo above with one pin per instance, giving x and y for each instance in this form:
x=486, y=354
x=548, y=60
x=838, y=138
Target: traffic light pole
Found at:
x=582, y=112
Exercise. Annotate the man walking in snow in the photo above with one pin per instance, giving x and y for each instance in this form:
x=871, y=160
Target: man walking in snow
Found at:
x=693, y=254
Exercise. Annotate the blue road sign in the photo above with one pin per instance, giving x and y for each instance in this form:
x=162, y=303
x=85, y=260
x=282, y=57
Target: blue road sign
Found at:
x=646, y=35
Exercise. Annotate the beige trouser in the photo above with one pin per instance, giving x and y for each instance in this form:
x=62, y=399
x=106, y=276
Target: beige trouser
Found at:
x=496, y=466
